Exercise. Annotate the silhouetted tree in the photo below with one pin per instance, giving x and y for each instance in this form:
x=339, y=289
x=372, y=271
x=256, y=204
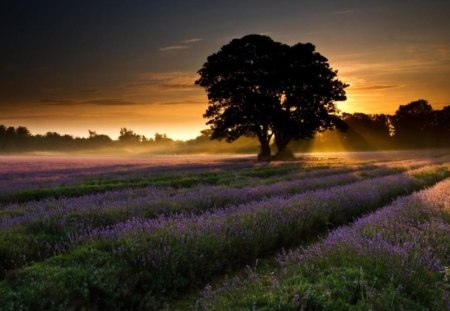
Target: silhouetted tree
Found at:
x=367, y=131
x=10, y=132
x=259, y=87
x=22, y=132
x=413, y=123
x=162, y=138
x=204, y=137
x=10, y=135
x=98, y=140
x=2, y=136
x=441, y=126
x=56, y=141
x=128, y=136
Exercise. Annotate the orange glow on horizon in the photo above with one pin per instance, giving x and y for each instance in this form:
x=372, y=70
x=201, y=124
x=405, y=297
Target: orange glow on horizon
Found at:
x=169, y=102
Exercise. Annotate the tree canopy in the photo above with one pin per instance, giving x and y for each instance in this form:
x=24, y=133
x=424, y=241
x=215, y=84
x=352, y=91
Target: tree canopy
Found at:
x=276, y=92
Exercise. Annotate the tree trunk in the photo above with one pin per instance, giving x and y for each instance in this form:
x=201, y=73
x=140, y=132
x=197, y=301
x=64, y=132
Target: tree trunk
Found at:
x=282, y=152
x=264, y=153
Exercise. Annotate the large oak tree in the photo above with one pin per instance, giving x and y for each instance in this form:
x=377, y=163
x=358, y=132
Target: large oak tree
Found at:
x=276, y=92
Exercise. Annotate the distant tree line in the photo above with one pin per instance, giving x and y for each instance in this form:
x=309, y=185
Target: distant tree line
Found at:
x=415, y=125
x=20, y=139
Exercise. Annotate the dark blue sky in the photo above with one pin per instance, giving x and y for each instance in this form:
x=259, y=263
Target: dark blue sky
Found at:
x=73, y=65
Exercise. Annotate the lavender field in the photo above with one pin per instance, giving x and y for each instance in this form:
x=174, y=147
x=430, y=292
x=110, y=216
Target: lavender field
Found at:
x=360, y=231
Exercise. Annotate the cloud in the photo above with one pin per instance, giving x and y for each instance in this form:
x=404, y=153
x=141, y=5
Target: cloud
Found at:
x=18, y=119
x=111, y=102
x=182, y=45
x=174, y=48
x=443, y=53
x=343, y=12
x=156, y=82
x=189, y=41
x=409, y=59
x=57, y=102
x=182, y=102
x=97, y=102
x=374, y=87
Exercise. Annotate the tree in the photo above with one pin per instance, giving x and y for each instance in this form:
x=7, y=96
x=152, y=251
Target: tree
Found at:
x=442, y=126
x=259, y=87
x=162, y=138
x=367, y=131
x=2, y=136
x=22, y=132
x=128, y=136
x=98, y=140
x=412, y=123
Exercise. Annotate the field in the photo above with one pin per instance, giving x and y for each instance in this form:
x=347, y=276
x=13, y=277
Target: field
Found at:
x=359, y=231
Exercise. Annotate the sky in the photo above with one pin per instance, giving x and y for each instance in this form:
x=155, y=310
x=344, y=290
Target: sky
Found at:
x=73, y=66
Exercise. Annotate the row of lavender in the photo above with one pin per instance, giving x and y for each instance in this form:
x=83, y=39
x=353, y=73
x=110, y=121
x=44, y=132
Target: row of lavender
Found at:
x=12, y=181
x=397, y=258
x=50, y=227
x=199, y=198
x=157, y=200
x=22, y=166
x=140, y=261
x=112, y=195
